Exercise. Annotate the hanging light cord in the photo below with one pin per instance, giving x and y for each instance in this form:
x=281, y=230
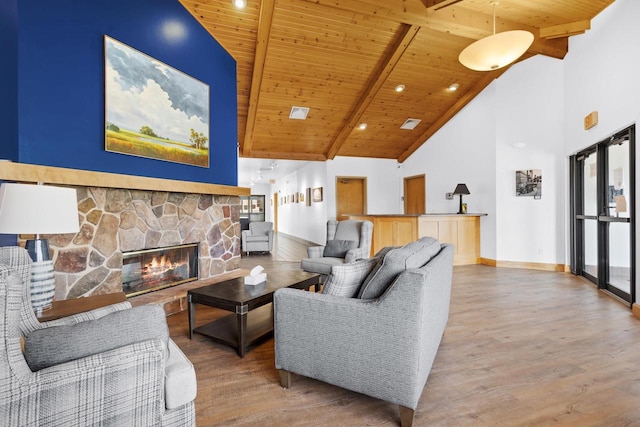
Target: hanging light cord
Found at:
x=494, y=3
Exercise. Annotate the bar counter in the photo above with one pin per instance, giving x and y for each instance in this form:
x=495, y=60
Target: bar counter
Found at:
x=461, y=230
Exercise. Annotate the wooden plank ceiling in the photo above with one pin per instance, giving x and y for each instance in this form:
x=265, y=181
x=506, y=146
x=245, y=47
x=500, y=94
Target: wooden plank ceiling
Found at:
x=343, y=59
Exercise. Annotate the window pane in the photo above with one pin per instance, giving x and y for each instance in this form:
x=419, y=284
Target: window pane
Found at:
x=590, y=185
x=591, y=247
x=618, y=181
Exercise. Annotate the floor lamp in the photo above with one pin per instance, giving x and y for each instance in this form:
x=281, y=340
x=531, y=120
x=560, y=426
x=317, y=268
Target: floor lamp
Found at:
x=38, y=209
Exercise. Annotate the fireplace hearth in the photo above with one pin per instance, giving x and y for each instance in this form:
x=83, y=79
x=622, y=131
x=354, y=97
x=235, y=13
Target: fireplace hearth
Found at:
x=154, y=269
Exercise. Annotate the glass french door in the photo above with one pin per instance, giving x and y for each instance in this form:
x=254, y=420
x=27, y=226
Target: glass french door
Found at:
x=602, y=211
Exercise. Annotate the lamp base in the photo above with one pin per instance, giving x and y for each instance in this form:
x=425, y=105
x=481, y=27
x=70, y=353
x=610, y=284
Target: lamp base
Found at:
x=38, y=249
x=43, y=286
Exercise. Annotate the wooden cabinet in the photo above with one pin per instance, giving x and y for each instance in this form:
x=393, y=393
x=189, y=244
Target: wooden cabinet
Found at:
x=463, y=231
x=394, y=231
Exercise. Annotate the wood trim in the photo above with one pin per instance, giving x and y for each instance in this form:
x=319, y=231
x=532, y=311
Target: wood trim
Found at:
x=559, y=268
x=635, y=310
x=22, y=172
x=281, y=155
x=262, y=43
x=488, y=261
x=565, y=30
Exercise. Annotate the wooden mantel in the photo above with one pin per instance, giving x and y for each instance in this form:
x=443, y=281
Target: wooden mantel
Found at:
x=22, y=172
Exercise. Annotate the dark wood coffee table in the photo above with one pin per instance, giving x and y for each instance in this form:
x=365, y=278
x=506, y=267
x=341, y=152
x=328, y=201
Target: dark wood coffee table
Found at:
x=253, y=314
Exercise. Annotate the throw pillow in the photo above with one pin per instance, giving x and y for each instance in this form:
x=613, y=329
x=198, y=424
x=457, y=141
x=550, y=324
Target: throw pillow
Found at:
x=339, y=248
x=345, y=280
x=59, y=344
x=412, y=255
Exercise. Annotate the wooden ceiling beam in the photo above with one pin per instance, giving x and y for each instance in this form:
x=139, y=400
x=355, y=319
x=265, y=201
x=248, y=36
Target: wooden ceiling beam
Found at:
x=468, y=24
x=453, y=19
x=311, y=157
x=262, y=44
x=451, y=112
x=565, y=30
x=404, y=39
x=439, y=4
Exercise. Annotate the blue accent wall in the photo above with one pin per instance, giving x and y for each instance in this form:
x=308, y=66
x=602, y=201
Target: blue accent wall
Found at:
x=9, y=79
x=60, y=90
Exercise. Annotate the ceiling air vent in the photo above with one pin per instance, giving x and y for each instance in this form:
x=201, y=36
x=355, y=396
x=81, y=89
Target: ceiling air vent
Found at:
x=410, y=124
x=299, y=113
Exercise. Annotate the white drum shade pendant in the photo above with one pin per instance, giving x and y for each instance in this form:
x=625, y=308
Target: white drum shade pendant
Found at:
x=496, y=50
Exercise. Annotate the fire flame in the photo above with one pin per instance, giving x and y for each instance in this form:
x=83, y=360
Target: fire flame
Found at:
x=159, y=266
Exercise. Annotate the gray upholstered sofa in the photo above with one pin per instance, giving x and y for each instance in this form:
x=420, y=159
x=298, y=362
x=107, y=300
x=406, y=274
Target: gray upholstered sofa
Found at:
x=382, y=321
x=62, y=378
x=258, y=238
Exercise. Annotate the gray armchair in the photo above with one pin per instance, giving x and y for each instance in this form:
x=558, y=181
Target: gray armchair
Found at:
x=382, y=342
x=143, y=383
x=347, y=241
x=259, y=237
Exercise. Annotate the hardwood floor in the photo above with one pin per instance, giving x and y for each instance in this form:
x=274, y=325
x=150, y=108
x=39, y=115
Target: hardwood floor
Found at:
x=522, y=348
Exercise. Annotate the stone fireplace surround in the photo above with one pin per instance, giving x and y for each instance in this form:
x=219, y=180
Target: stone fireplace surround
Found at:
x=120, y=213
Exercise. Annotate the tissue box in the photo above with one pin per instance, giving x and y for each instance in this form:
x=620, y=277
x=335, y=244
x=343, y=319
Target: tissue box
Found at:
x=255, y=280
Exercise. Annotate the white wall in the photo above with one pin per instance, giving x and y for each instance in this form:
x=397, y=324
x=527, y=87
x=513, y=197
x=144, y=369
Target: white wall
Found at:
x=601, y=74
x=298, y=219
x=463, y=151
x=529, y=110
x=310, y=222
x=383, y=189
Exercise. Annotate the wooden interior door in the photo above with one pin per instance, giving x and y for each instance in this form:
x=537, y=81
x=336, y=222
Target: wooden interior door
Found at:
x=414, y=195
x=351, y=196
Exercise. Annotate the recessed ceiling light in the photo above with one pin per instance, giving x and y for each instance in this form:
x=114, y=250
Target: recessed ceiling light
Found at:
x=400, y=88
x=362, y=126
x=453, y=87
x=299, y=113
x=410, y=124
x=240, y=4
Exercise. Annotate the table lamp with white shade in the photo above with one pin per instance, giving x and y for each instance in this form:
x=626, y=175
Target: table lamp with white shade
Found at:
x=38, y=209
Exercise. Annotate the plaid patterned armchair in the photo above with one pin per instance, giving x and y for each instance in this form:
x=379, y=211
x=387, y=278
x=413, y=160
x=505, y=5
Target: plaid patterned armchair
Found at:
x=347, y=242
x=132, y=385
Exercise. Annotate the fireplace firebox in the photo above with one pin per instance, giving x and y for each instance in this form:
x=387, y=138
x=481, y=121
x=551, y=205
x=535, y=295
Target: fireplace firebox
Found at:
x=154, y=269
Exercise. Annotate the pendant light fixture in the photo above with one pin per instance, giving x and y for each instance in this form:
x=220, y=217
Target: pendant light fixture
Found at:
x=496, y=50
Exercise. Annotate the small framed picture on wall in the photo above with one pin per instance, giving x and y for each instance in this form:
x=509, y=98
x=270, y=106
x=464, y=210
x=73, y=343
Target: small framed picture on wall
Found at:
x=317, y=194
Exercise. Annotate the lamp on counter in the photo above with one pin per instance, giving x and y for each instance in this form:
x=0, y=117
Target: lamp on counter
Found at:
x=460, y=190
x=38, y=209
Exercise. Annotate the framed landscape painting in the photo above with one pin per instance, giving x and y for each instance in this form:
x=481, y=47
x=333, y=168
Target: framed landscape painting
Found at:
x=153, y=110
